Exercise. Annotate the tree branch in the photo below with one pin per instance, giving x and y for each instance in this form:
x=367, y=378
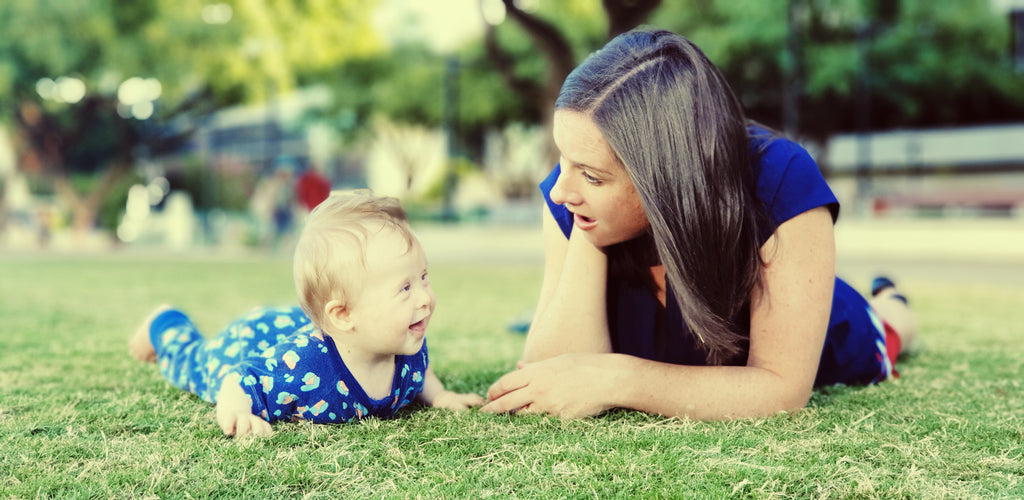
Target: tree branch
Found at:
x=552, y=44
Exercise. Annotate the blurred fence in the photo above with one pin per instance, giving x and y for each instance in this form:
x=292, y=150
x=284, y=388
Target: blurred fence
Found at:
x=975, y=170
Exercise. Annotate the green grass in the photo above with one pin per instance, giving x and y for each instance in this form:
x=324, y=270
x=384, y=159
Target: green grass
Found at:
x=80, y=418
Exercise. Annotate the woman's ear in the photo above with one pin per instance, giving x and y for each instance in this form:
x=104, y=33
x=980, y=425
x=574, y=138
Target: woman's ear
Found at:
x=339, y=315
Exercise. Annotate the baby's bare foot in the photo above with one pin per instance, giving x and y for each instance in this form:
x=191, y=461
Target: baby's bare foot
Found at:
x=140, y=347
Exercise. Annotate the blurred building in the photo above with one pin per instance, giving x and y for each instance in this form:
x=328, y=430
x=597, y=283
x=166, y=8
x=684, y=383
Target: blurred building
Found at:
x=258, y=135
x=971, y=170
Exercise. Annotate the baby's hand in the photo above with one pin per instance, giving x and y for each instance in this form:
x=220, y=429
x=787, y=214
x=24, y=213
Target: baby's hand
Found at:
x=242, y=423
x=457, y=401
x=234, y=413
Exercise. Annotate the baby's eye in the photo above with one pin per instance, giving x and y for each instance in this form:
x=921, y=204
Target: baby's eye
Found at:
x=424, y=277
x=407, y=287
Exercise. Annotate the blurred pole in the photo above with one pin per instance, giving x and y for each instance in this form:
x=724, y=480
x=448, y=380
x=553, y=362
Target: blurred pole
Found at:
x=1017, y=39
x=863, y=113
x=792, y=70
x=451, y=128
x=268, y=120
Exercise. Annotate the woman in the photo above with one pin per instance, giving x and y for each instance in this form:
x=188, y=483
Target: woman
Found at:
x=689, y=257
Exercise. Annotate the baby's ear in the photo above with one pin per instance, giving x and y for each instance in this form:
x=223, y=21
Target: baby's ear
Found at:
x=339, y=315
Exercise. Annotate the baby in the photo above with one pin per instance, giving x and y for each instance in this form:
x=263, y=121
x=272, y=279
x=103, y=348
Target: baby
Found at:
x=355, y=348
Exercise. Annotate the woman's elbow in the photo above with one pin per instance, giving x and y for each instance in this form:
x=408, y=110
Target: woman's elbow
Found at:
x=794, y=400
x=788, y=396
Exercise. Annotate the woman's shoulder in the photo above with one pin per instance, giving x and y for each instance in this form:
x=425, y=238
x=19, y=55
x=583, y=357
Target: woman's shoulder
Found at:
x=561, y=214
x=772, y=149
x=788, y=179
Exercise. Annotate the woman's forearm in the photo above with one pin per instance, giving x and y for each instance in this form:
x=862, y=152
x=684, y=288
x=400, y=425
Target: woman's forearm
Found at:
x=573, y=317
x=701, y=392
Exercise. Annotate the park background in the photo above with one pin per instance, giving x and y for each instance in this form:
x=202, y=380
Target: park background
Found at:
x=140, y=142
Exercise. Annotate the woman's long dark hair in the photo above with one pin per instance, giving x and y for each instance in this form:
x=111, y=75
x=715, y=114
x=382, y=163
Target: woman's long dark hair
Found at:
x=681, y=135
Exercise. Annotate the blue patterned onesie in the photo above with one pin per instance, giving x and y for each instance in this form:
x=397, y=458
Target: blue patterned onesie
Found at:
x=289, y=369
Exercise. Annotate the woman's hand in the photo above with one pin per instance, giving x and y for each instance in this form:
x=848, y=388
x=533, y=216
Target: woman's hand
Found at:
x=569, y=386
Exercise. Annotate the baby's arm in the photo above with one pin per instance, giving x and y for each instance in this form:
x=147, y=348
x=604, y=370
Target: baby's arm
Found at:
x=434, y=394
x=234, y=412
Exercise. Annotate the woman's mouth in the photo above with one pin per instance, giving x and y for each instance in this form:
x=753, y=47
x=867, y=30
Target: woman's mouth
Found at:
x=583, y=222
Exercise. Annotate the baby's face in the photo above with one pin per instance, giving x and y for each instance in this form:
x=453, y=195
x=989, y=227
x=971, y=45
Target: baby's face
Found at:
x=393, y=309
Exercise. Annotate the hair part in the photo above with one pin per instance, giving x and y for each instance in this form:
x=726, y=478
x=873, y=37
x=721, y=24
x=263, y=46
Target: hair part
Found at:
x=681, y=135
x=330, y=255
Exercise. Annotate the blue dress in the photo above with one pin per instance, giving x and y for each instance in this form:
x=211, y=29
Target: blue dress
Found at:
x=288, y=368
x=788, y=183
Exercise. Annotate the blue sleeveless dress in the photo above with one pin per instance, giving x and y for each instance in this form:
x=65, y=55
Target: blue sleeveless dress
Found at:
x=788, y=183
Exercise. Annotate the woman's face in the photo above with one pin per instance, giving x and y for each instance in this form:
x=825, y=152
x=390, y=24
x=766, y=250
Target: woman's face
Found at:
x=593, y=185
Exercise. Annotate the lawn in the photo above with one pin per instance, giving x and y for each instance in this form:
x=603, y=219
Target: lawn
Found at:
x=80, y=418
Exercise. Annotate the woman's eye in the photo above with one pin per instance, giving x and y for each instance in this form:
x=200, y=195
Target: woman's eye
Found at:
x=590, y=178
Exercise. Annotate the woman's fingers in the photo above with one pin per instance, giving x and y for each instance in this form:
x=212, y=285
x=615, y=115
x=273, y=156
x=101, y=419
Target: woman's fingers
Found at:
x=507, y=401
x=507, y=383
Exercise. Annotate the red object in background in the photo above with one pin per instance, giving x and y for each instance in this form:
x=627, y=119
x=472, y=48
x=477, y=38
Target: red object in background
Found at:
x=312, y=188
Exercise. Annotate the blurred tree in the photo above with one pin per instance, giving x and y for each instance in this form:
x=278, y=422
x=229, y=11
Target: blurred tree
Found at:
x=928, y=62
x=63, y=63
x=559, y=52
x=408, y=83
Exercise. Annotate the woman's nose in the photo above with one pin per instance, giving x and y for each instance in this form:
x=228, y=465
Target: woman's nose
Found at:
x=562, y=193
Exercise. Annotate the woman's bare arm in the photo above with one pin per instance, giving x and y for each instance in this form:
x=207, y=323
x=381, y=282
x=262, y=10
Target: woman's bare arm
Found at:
x=571, y=313
x=788, y=324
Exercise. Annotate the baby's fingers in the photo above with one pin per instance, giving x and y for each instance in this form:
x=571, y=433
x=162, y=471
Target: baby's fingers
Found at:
x=471, y=400
x=260, y=427
x=252, y=425
x=242, y=426
x=458, y=401
x=226, y=423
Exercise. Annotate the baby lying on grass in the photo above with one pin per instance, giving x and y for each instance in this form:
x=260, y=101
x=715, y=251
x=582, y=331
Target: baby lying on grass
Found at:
x=355, y=348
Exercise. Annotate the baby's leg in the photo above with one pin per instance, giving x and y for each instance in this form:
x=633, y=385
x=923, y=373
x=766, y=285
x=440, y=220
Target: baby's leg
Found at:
x=140, y=346
x=181, y=353
x=892, y=307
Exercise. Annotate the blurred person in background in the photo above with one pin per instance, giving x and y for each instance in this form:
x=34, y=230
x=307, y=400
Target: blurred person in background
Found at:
x=274, y=205
x=311, y=188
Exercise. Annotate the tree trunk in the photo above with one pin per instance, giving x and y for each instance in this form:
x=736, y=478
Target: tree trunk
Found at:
x=624, y=15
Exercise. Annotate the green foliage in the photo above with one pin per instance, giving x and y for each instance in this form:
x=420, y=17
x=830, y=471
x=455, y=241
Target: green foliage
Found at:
x=941, y=62
x=408, y=83
x=107, y=41
x=938, y=62
x=80, y=418
x=262, y=46
x=930, y=63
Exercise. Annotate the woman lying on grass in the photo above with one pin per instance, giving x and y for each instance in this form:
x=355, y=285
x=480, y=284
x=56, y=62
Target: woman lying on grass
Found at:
x=355, y=348
x=689, y=255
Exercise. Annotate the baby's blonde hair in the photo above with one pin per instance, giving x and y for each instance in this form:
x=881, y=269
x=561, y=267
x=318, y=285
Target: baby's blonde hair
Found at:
x=330, y=254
